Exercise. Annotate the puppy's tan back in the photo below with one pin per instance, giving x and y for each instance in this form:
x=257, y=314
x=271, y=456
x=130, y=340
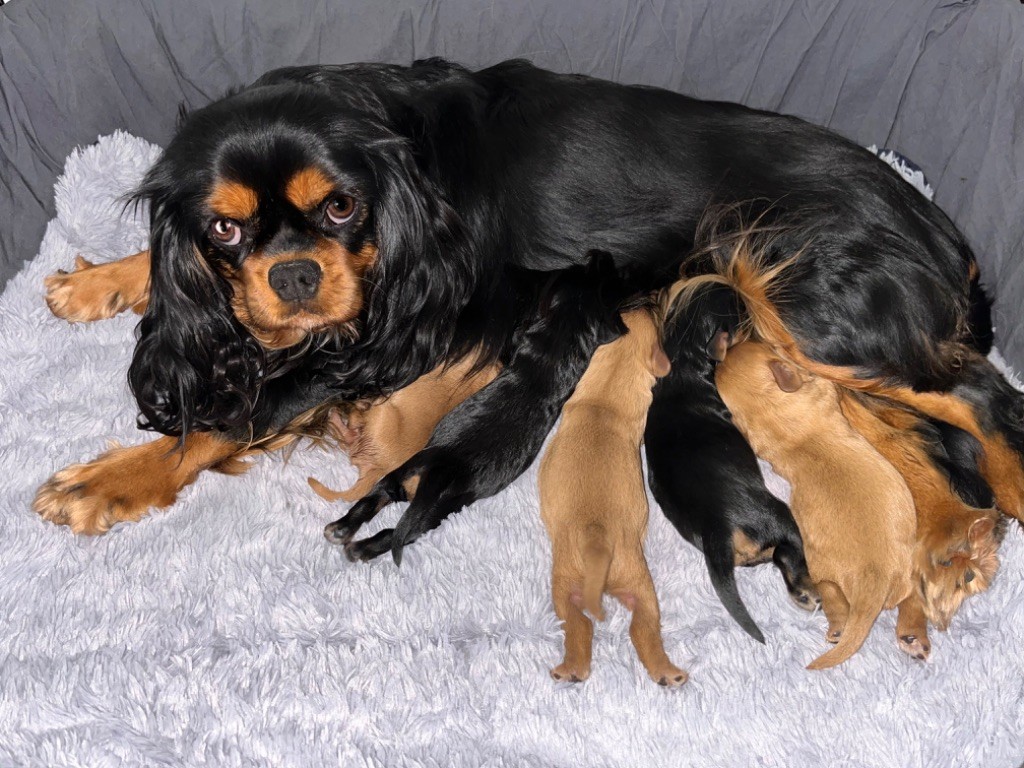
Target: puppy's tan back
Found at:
x=854, y=510
x=956, y=550
x=593, y=501
x=388, y=432
x=591, y=470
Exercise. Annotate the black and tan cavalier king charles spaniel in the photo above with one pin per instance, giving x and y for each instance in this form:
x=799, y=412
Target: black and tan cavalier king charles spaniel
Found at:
x=332, y=233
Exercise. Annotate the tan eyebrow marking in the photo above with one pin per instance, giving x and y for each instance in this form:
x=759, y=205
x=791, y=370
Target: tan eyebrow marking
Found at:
x=308, y=188
x=233, y=200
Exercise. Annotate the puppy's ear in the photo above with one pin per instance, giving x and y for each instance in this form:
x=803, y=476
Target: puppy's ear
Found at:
x=660, y=364
x=719, y=346
x=786, y=376
x=980, y=530
x=194, y=367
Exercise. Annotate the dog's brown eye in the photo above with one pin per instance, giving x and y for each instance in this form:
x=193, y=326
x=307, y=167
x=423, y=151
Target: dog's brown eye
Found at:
x=945, y=563
x=340, y=209
x=226, y=231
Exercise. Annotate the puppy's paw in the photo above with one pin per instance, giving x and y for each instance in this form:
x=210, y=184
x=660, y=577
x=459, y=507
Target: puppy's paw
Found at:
x=90, y=292
x=805, y=597
x=916, y=647
x=571, y=672
x=669, y=676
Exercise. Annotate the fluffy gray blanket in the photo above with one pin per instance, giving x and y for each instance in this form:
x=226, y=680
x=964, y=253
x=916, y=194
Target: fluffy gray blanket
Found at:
x=228, y=632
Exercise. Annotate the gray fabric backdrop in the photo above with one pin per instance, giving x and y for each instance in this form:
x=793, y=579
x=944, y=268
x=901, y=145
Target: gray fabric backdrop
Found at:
x=940, y=81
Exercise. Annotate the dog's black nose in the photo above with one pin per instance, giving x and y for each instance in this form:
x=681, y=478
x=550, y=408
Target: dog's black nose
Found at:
x=295, y=280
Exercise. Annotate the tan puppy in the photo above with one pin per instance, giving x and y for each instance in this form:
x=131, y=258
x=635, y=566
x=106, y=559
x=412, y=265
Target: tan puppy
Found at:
x=956, y=552
x=593, y=502
x=854, y=510
x=380, y=436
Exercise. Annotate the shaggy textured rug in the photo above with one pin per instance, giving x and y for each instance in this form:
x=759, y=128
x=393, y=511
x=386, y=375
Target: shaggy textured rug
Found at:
x=228, y=632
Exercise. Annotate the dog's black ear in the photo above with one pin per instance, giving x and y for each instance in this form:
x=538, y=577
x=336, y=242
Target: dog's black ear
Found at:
x=195, y=367
x=422, y=278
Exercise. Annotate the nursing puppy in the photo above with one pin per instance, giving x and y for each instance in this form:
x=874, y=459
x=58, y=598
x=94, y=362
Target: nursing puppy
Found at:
x=576, y=311
x=957, y=538
x=381, y=435
x=702, y=472
x=593, y=502
x=855, y=512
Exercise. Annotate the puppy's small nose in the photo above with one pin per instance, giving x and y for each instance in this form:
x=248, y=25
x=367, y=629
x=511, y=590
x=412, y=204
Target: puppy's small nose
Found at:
x=295, y=280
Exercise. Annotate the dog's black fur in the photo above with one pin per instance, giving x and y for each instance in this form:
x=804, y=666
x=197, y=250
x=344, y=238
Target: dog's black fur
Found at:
x=957, y=454
x=462, y=176
x=702, y=472
x=577, y=312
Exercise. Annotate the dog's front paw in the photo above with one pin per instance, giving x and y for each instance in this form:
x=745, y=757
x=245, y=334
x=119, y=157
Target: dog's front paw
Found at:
x=343, y=530
x=90, y=498
x=371, y=547
x=94, y=292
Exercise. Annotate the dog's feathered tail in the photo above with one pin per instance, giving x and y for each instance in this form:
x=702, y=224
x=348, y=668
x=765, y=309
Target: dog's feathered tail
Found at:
x=597, y=559
x=865, y=606
x=720, y=558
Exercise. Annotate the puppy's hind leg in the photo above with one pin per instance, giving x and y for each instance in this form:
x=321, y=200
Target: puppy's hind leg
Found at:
x=912, y=628
x=789, y=559
x=579, y=631
x=645, y=627
x=837, y=610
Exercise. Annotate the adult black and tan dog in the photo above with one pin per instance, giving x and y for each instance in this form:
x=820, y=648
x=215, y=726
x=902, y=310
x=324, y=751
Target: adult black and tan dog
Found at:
x=335, y=232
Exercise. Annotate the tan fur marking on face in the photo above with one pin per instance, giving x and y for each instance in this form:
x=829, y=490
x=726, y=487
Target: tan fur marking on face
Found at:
x=277, y=324
x=233, y=200
x=308, y=188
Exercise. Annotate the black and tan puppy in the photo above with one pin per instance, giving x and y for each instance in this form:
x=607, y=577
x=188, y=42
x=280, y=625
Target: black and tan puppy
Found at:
x=577, y=312
x=855, y=512
x=703, y=473
x=594, y=506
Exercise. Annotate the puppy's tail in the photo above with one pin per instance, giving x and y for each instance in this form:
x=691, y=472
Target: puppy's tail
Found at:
x=355, y=493
x=864, y=610
x=720, y=559
x=597, y=559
